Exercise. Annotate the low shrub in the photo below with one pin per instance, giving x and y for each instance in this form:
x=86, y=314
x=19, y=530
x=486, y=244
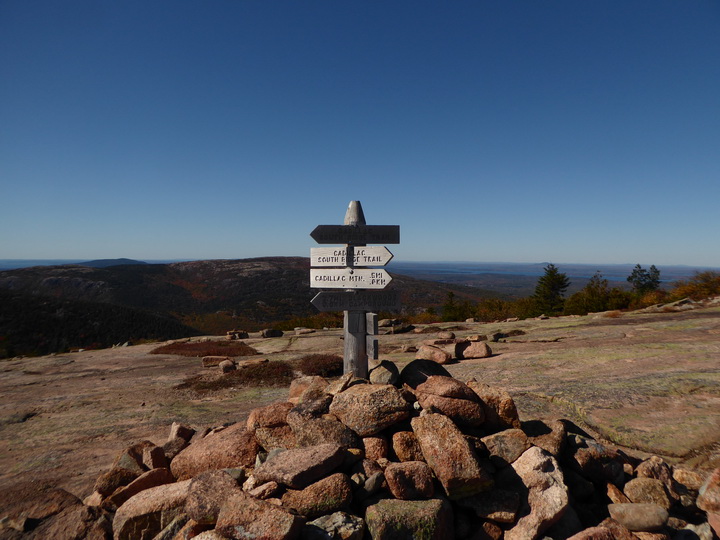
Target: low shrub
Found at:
x=206, y=348
x=269, y=374
x=325, y=365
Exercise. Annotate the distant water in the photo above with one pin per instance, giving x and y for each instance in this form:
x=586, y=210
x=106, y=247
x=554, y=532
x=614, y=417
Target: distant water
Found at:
x=611, y=272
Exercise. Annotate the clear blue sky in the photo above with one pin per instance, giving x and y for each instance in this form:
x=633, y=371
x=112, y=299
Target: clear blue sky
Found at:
x=564, y=131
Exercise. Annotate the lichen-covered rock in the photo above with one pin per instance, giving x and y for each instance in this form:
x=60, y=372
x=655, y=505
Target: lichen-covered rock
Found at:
x=241, y=516
x=299, y=467
x=393, y=519
x=449, y=455
x=325, y=496
x=231, y=447
x=367, y=409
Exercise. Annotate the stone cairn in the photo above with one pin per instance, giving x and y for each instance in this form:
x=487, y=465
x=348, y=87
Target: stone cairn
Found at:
x=415, y=454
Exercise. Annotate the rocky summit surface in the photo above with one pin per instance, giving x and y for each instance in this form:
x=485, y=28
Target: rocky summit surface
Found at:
x=434, y=451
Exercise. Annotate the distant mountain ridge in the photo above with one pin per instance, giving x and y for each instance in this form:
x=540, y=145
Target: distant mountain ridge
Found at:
x=105, y=263
x=203, y=296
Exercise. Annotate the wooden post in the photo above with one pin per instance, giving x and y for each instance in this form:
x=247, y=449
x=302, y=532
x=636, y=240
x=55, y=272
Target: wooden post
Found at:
x=355, y=358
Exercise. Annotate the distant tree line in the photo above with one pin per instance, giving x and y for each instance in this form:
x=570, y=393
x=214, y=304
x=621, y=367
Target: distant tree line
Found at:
x=596, y=296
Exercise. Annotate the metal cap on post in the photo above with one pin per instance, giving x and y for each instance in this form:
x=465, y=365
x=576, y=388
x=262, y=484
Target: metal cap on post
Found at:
x=354, y=214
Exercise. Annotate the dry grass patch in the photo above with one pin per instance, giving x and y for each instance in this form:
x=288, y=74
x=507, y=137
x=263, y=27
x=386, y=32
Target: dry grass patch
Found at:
x=206, y=348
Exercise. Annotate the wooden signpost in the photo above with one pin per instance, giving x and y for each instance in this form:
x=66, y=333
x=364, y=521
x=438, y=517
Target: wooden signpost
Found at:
x=344, y=268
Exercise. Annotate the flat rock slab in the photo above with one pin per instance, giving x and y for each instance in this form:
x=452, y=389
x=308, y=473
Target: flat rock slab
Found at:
x=299, y=467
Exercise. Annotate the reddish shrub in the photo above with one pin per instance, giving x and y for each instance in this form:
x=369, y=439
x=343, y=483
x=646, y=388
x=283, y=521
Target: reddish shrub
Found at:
x=207, y=348
x=325, y=365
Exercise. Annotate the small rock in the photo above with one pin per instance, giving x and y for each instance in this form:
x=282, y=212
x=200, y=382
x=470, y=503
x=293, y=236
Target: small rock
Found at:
x=226, y=366
x=338, y=526
x=214, y=361
x=207, y=493
x=506, y=446
x=472, y=349
x=709, y=493
x=639, y=516
x=325, y=496
x=406, y=446
x=385, y=372
x=647, y=490
x=434, y=354
x=410, y=480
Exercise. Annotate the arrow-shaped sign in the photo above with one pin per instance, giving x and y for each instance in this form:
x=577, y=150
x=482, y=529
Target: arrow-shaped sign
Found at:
x=357, y=300
x=348, y=278
x=356, y=234
x=362, y=256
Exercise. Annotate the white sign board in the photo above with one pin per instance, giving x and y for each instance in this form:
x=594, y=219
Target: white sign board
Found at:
x=363, y=256
x=348, y=278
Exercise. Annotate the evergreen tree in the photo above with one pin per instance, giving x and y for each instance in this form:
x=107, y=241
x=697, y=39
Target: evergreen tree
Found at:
x=593, y=297
x=549, y=291
x=644, y=281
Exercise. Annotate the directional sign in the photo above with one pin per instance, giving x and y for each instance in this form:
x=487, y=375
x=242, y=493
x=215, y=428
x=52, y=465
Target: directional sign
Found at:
x=357, y=300
x=363, y=256
x=348, y=278
x=356, y=234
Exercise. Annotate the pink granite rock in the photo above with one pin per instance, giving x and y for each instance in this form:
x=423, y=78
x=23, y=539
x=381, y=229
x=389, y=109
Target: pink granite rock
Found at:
x=367, y=409
x=500, y=409
x=325, y=496
x=241, y=516
x=709, y=494
x=231, y=447
x=410, y=480
x=272, y=415
x=436, y=354
x=449, y=455
x=299, y=467
x=150, y=479
x=207, y=493
x=452, y=398
x=147, y=513
x=406, y=446
x=547, y=493
x=472, y=349
x=393, y=518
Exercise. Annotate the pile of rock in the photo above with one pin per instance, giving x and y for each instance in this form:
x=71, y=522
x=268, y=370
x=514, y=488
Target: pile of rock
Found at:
x=427, y=457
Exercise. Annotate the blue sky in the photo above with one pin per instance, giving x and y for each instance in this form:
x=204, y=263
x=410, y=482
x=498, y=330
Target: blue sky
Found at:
x=564, y=131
